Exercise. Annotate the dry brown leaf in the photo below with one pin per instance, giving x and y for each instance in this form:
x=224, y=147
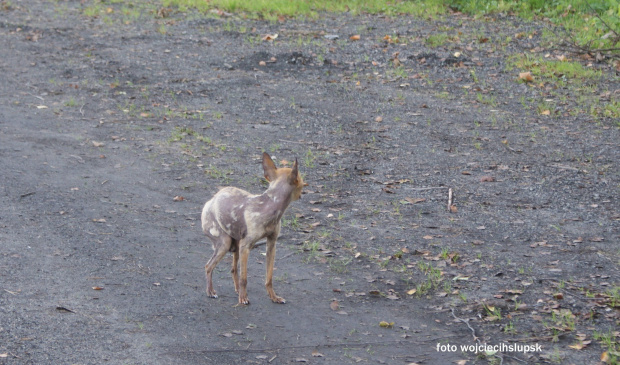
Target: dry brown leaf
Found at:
x=487, y=179
x=412, y=291
x=579, y=346
x=526, y=76
x=428, y=237
x=453, y=208
x=97, y=288
x=270, y=37
x=355, y=37
x=605, y=357
x=545, y=112
x=334, y=305
x=178, y=198
x=315, y=353
x=98, y=144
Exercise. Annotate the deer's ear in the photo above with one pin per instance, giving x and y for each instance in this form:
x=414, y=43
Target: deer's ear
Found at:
x=293, y=178
x=269, y=167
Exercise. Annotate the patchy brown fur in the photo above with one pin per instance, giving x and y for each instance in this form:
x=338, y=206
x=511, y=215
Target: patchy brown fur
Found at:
x=235, y=220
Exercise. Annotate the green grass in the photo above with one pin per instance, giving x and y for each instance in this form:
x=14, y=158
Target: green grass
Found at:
x=271, y=9
x=588, y=22
x=553, y=71
x=584, y=19
x=437, y=40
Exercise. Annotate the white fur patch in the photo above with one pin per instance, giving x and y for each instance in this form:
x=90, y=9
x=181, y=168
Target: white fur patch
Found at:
x=214, y=232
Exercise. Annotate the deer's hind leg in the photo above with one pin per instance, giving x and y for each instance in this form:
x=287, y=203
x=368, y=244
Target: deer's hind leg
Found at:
x=235, y=265
x=221, y=245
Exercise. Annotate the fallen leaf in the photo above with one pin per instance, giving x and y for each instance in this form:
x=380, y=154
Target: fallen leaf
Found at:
x=487, y=179
x=178, y=198
x=579, y=346
x=101, y=220
x=605, y=357
x=270, y=37
x=41, y=107
x=301, y=359
x=545, y=112
x=355, y=37
x=97, y=288
x=98, y=144
x=412, y=291
x=334, y=305
x=453, y=208
x=428, y=237
x=392, y=297
x=526, y=76
x=385, y=324
x=379, y=119
x=315, y=353
x=227, y=334
x=262, y=63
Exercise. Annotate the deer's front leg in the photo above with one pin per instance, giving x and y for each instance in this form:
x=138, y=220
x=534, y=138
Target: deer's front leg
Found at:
x=244, y=254
x=271, y=256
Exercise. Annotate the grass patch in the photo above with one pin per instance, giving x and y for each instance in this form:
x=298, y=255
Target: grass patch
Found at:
x=553, y=71
x=583, y=19
x=437, y=40
x=272, y=9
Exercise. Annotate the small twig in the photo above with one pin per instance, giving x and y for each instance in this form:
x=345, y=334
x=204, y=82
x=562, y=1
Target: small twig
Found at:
x=38, y=97
x=27, y=194
x=449, y=199
x=473, y=332
x=563, y=167
x=530, y=339
x=285, y=256
x=516, y=358
x=287, y=141
x=602, y=21
x=430, y=188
